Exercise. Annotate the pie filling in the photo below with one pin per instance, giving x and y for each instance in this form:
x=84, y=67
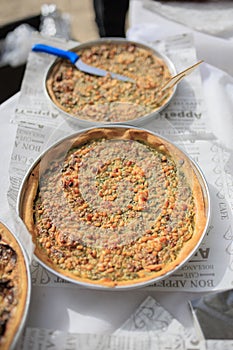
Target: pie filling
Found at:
x=115, y=211
x=104, y=99
x=13, y=287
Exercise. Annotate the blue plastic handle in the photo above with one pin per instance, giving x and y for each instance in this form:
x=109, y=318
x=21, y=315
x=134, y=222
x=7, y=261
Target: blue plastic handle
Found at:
x=70, y=55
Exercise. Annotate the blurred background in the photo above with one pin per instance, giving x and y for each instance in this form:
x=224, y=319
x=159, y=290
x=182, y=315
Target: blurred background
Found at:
x=80, y=13
x=69, y=19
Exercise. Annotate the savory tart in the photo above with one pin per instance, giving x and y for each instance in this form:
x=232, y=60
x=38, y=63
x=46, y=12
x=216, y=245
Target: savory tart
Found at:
x=114, y=206
x=104, y=99
x=13, y=287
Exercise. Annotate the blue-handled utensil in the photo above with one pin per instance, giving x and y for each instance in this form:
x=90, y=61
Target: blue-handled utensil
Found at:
x=74, y=58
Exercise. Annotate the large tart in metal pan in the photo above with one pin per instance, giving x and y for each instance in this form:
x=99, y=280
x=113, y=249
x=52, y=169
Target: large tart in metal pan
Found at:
x=114, y=207
x=92, y=100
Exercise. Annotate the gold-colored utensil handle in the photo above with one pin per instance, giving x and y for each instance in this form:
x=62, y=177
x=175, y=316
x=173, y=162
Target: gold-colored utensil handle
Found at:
x=177, y=78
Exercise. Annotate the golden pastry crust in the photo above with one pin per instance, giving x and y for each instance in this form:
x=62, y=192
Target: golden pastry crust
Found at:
x=108, y=183
x=103, y=99
x=13, y=287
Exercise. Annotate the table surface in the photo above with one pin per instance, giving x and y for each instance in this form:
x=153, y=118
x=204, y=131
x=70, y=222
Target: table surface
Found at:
x=84, y=310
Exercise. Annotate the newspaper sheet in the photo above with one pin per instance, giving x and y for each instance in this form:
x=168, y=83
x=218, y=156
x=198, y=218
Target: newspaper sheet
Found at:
x=150, y=327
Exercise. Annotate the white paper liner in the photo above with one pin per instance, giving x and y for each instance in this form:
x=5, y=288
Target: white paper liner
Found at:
x=150, y=327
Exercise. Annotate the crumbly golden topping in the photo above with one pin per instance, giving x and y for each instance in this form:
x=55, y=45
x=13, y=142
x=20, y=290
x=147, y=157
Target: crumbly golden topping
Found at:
x=114, y=211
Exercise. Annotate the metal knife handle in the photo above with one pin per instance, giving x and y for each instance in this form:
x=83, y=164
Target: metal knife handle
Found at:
x=70, y=55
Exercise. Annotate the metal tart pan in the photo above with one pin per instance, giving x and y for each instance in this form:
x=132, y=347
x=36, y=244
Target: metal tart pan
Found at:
x=139, y=121
x=66, y=144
